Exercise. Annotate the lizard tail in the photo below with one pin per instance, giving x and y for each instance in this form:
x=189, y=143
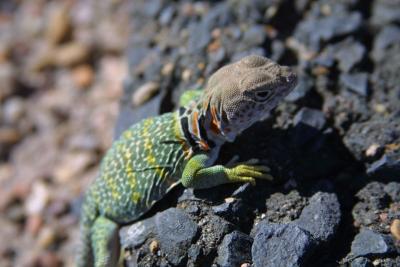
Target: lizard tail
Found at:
x=88, y=216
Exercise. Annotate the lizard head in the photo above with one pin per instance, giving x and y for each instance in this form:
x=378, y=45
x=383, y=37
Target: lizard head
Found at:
x=241, y=93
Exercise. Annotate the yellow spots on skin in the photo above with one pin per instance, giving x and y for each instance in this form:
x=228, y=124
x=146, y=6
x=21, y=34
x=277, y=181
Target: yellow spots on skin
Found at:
x=119, y=146
x=136, y=197
x=115, y=194
x=128, y=168
x=151, y=160
x=147, y=144
x=128, y=134
x=132, y=179
x=112, y=185
x=127, y=155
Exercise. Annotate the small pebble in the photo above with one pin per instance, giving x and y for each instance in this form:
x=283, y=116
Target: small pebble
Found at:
x=320, y=70
x=395, y=228
x=49, y=259
x=5, y=52
x=372, y=150
x=13, y=110
x=8, y=75
x=167, y=69
x=34, y=224
x=229, y=199
x=83, y=76
x=6, y=171
x=37, y=199
x=144, y=93
x=59, y=25
x=380, y=108
x=72, y=54
x=186, y=74
x=154, y=246
x=41, y=59
x=73, y=164
x=9, y=135
x=46, y=238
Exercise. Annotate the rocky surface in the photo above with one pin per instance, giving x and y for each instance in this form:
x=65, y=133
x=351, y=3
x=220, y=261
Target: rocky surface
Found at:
x=333, y=146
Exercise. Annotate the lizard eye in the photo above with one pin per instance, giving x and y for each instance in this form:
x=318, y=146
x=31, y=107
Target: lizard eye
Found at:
x=263, y=95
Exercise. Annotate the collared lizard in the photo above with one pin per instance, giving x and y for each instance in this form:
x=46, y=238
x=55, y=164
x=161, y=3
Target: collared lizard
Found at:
x=154, y=155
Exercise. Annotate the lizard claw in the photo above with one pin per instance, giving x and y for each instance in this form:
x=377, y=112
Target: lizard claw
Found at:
x=241, y=173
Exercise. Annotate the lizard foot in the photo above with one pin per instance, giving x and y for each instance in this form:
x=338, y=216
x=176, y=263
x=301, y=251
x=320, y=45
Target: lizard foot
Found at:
x=245, y=172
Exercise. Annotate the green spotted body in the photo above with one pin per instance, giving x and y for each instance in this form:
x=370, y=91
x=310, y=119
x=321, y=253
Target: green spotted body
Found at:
x=154, y=155
x=141, y=166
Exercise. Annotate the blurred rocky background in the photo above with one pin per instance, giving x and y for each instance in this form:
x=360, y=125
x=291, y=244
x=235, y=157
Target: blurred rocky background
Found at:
x=333, y=145
x=62, y=64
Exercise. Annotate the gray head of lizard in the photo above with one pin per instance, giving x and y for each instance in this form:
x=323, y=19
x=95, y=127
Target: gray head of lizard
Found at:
x=241, y=93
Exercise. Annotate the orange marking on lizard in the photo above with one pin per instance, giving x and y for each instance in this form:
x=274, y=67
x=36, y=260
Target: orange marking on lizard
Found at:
x=214, y=121
x=204, y=145
x=195, y=126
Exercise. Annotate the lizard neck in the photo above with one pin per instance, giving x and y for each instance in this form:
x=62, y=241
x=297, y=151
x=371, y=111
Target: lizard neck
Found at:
x=200, y=129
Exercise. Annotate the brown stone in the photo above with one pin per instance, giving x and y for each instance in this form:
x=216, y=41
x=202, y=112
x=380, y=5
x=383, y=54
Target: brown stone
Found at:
x=83, y=75
x=33, y=224
x=9, y=135
x=59, y=26
x=144, y=93
x=395, y=228
x=72, y=54
x=154, y=246
x=49, y=259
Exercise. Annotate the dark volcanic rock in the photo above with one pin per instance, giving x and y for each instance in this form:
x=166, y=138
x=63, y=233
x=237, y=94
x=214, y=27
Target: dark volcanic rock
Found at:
x=176, y=232
x=304, y=86
x=380, y=131
x=347, y=54
x=369, y=243
x=385, y=82
x=284, y=208
x=373, y=199
x=385, y=11
x=317, y=27
x=374, y=192
x=346, y=94
x=281, y=245
x=356, y=82
x=235, y=211
x=213, y=229
x=308, y=124
x=361, y=262
x=136, y=234
x=321, y=217
x=386, y=167
x=310, y=117
x=387, y=37
x=234, y=250
x=393, y=190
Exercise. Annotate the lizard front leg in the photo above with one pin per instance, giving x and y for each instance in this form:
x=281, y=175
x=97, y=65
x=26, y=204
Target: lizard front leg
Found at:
x=197, y=174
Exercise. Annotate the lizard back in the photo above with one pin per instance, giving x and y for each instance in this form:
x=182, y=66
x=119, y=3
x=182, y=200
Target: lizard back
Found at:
x=140, y=168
